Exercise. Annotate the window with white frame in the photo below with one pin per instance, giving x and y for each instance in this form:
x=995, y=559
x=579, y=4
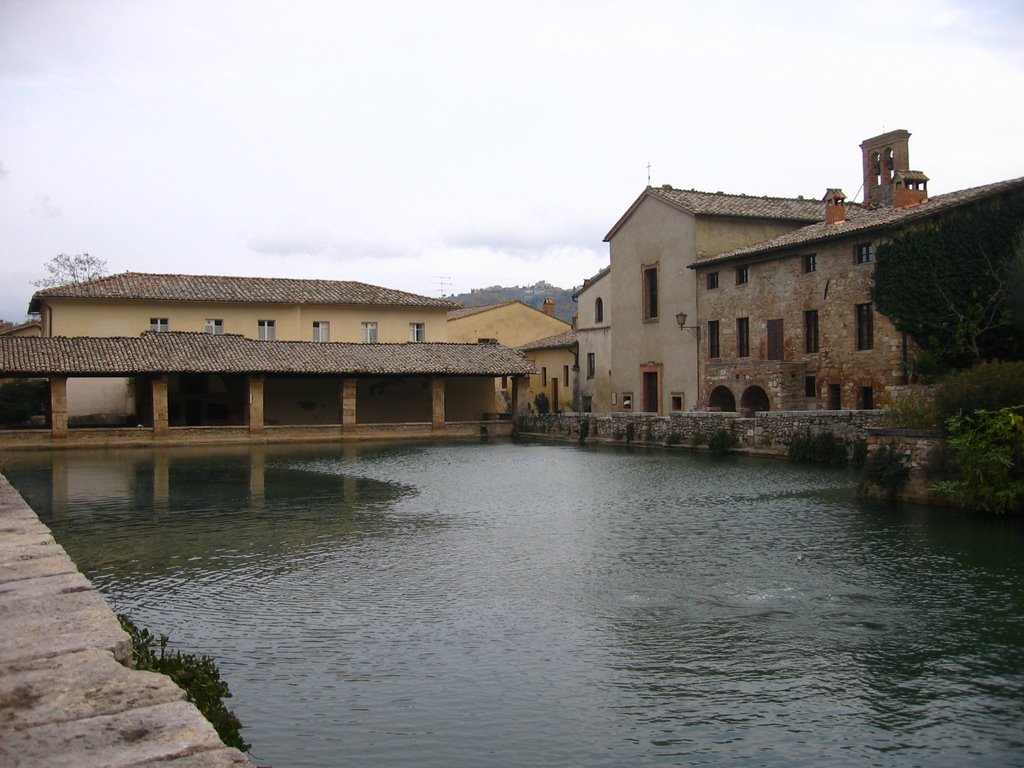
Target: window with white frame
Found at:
x=321, y=330
x=214, y=326
x=159, y=324
x=267, y=330
x=417, y=332
x=369, y=331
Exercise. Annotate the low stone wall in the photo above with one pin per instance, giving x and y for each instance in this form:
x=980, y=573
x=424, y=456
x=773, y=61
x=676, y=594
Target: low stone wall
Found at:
x=766, y=432
x=924, y=455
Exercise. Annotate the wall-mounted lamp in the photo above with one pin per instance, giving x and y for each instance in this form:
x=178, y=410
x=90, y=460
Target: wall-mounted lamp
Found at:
x=694, y=329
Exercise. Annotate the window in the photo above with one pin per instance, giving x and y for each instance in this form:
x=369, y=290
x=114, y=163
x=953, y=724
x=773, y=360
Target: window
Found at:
x=417, y=332
x=599, y=311
x=565, y=375
x=321, y=330
x=811, y=331
x=865, y=253
x=369, y=333
x=835, y=397
x=742, y=275
x=714, y=348
x=776, y=345
x=677, y=401
x=865, y=327
x=650, y=285
x=215, y=327
x=591, y=364
x=810, y=386
x=159, y=324
x=627, y=401
x=867, y=398
x=267, y=330
x=742, y=337
x=544, y=375
x=712, y=280
x=810, y=261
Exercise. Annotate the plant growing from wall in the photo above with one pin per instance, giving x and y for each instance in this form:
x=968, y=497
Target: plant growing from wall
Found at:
x=584, y=430
x=885, y=468
x=989, y=447
x=821, y=448
x=950, y=287
x=198, y=676
x=721, y=441
x=912, y=412
x=630, y=432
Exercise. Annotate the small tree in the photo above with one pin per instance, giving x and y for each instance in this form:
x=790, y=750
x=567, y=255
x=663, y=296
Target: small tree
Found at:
x=64, y=270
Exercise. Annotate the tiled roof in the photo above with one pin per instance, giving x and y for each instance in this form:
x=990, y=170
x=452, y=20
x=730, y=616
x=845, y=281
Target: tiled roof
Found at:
x=458, y=314
x=591, y=280
x=229, y=353
x=557, y=341
x=260, y=290
x=863, y=221
x=721, y=204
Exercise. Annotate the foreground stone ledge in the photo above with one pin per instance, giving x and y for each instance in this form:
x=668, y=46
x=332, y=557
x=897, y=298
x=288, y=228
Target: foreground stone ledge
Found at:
x=67, y=694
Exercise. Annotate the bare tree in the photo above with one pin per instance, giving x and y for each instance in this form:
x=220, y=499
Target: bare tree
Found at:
x=63, y=269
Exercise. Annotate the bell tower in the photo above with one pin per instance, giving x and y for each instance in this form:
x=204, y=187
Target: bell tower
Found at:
x=884, y=156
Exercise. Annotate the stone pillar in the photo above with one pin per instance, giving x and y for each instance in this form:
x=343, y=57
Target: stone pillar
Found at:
x=59, y=407
x=160, y=423
x=256, y=387
x=348, y=404
x=520, y=395
x=437, y=405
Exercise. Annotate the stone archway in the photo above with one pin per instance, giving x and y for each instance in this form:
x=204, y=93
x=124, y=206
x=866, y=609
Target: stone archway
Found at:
x=722, y=399
x=754, y=399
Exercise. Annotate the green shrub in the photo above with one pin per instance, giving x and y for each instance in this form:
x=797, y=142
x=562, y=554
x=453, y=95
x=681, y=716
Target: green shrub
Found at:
x=822, y=448
x=198, y=676
x=885, y=468
x=584, y=429
x=989, y=447
x=721, y=441
x=630, y=432
x=541, y=402
x=988, y=386
x=698, y=438
x=672, y=438
x=22, y=399
x=913, y=412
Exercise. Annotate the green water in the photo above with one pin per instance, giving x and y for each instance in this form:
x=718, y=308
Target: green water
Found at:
x=534, y=605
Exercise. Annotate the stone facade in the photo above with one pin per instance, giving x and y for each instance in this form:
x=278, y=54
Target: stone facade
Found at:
x=813, y=338
x=594, y=339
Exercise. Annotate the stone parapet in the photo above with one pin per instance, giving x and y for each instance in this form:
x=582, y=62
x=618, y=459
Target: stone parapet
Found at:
x=67, y=694
x=766, y=432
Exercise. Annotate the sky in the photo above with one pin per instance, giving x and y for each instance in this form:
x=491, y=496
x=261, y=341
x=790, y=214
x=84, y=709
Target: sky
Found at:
x=436, y=147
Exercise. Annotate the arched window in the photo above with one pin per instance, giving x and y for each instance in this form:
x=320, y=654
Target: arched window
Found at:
x=599, y=311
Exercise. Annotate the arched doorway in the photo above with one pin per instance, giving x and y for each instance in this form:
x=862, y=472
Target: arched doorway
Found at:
x=754, y=399
x=722, y=399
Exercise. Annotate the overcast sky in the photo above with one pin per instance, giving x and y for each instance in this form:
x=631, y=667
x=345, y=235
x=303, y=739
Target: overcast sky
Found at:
x=443, y=146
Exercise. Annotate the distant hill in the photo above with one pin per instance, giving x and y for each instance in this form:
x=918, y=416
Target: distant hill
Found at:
x=531, y=295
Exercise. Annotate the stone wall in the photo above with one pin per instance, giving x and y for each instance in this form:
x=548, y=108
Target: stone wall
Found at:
x=768, y=432
x=924, y=455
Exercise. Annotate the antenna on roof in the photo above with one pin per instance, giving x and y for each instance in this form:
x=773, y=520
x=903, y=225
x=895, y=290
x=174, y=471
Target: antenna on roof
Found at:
x=444, y=283
x=648, y=173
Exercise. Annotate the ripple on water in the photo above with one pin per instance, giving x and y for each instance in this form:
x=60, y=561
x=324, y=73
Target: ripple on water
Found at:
x=499, y=605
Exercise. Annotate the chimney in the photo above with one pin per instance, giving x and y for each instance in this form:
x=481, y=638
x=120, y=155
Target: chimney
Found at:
x=835, y=206
x=549, y=307
x=909, y=188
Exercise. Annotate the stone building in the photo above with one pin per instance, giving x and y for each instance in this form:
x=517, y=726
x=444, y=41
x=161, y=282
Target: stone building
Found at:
x=789, y=324
x=651, y=293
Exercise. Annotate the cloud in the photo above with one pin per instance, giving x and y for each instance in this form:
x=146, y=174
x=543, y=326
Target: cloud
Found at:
x=325, y=246
x=44, y=207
